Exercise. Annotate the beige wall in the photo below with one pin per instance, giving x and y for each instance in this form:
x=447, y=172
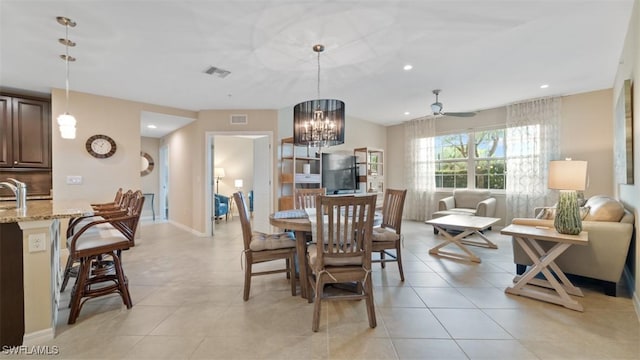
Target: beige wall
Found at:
x=592, y=142
x=117, y=118
x=629, y=68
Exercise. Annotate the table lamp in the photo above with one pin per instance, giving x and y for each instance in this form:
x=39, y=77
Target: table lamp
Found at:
x=568, y=176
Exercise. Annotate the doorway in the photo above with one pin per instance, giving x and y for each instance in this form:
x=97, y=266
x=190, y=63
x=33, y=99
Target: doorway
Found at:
x=246, y=158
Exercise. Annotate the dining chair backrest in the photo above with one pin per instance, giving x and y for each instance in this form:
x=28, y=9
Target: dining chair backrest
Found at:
x=245, y=221
x=345, y=229
x=306, y=198
x=392, y=208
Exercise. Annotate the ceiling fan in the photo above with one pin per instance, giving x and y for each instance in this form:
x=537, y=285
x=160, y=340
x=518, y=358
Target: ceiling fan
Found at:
x=436, y=108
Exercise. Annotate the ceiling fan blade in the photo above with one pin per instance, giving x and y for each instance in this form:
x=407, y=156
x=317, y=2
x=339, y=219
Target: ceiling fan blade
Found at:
x=460, y=114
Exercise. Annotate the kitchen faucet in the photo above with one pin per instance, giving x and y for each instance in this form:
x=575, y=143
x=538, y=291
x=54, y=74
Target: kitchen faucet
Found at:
x=19, y=190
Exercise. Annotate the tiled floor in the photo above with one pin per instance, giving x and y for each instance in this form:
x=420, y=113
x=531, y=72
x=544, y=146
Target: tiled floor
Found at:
x=188, y=305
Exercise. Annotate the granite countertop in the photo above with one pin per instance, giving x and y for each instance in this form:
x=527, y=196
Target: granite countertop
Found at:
x=44, y=210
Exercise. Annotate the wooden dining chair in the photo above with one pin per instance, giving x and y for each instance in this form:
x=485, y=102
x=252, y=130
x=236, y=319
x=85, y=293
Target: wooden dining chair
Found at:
x=387, y=236
x=100, y=271
x=261, y=247
x=306, y=198
x=342, y=251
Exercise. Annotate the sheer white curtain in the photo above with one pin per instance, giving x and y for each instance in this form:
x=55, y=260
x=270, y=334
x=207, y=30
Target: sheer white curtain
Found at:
x=532, y=141
x=419, y=168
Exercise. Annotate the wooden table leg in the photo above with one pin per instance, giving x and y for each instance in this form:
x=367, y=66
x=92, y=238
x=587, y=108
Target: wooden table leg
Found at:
x=301, y=250
x=456, y=240
x=542, y=261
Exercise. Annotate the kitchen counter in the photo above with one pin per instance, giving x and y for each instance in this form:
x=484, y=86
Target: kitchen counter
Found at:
x=43, y=210
x=30, y=268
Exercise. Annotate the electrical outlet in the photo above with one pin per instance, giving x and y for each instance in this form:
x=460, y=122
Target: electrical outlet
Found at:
x=74, y=180
x=37, y=242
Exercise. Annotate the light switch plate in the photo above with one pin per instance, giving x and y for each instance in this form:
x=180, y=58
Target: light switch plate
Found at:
x=74, y=180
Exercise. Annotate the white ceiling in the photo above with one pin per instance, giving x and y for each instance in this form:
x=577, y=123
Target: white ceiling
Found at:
x=483, y=54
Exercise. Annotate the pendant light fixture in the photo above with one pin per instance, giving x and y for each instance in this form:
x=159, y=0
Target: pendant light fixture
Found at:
x=66, y=121
x=320, y=122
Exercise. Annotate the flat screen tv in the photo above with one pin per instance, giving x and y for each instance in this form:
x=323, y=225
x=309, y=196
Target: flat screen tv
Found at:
x=339, y=173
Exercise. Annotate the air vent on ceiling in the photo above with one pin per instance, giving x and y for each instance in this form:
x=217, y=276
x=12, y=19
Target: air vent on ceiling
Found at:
x=221, y=73
x=239, y=119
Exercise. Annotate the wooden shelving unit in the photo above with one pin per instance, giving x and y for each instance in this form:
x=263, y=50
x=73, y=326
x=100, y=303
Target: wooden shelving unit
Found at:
x=371, y=171
x=294, y=163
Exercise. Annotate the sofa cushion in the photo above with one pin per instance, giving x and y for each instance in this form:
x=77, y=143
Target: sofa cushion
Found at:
x=604, y=208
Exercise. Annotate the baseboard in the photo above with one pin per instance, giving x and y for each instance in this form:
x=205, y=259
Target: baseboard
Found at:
x=38, y=337
x=186, y=228
x=631, y=285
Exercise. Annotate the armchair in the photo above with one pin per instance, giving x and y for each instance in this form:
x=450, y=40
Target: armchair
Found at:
x=221, y=208
x=475, y=202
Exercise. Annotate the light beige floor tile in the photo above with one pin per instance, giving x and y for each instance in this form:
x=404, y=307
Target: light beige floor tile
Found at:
x=274, y=347
x=469, y=324
x=426, y=280
x=444, y=298
x=361, y=347
x=490, y=298
x=495, y=349
x=397, y=297
x=164, y=347
x=584, y=350
x=413, y=323
x=428, y=349
x=188, y=303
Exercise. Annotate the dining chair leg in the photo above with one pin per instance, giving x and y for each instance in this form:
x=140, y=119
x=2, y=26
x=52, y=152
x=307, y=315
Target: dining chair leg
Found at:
x=67, y=273
x=291, y=272
x=399, y=261
x=247, y=279
x=123, y=286
x=382, y=258
x=371, y=312
x=318, y=303
x=78, y=289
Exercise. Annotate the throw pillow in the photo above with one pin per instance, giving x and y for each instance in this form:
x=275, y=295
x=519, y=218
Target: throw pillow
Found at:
x=604, y=208
x=547, y=213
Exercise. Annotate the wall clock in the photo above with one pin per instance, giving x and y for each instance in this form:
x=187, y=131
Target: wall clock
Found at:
x=101, y=146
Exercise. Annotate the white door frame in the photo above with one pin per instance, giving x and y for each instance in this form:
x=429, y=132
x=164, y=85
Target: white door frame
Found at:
x=209, y=141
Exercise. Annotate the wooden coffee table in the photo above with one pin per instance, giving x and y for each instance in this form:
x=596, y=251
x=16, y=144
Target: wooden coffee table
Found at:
x=466, y=225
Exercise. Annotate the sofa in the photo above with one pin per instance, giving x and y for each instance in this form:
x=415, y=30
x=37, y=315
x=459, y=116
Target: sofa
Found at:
x=610, y=228
x=221, y=206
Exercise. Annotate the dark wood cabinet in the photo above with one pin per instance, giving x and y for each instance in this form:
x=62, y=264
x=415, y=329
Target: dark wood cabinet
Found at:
x=25, y=140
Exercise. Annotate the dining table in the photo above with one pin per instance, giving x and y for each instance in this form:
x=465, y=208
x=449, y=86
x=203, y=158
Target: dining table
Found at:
x=298, y=222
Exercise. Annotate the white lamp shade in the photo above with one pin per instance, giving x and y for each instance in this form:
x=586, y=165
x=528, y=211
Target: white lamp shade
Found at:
x=218, y=173
x=237, y=183
x=568, y=175
x=67, y=125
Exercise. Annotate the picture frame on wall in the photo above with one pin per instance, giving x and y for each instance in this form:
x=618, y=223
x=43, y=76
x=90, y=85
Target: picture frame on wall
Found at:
x=624, y=135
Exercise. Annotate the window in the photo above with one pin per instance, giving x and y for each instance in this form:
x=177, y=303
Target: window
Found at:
x=475, y=160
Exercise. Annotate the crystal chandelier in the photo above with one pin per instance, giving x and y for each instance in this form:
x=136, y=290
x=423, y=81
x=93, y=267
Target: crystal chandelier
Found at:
x=319, y=122
x=66, y=121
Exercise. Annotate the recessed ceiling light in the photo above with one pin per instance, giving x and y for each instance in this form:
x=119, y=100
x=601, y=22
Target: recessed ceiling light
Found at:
x=151, y=126
x=408, y=67
x=544, y=86
x=407, y=113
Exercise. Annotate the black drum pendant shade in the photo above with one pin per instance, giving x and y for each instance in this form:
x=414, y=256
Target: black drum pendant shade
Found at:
x=319, y=123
